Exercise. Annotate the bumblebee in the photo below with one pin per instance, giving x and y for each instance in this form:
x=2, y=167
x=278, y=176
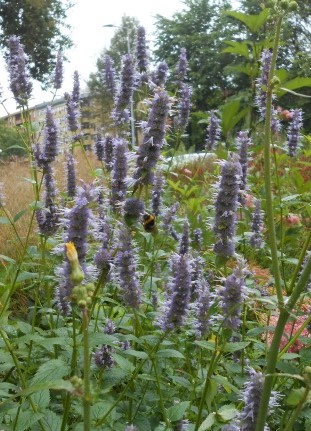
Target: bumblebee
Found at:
x=149, y=223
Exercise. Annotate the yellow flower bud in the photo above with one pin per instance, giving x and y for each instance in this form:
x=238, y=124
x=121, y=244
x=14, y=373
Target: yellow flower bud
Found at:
x=71, y=252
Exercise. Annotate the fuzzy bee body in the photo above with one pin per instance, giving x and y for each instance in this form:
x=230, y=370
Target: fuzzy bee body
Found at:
x=149, y=223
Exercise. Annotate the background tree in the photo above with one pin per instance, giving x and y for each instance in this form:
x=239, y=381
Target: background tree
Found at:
x=40, y=25
x=11, y=142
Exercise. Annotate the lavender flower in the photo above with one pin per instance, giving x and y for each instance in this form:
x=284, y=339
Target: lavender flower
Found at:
x=213, y=130
x=202, y=308
x=78, y=220
x=108, y=151
x=103, y=357
x=256, y=239
x=131, y=428
x=148, y=152
x=141, y=50
x=251, y=397
x=275, y=122
x=243, y=143
x=58, y=74
x=232, y=296
x=126, y=265
x=75, y=96
x=230, y=427
x=182, y=66
x=293, y=134
x=157, y=193
x=226, y=205
x=50, y=137
x=160, y=75
x=133, y=207
x=61, y=298
x=110, y=327
x=71, y=175
x=48, y=217
x=262, y=82
x=184, y=107
x=124, y=93
x=185, y=239
x=99, y=147
x=109, y=75
x=168, y=218
x=178, y=302
x=20, y=84
x=119, y=172
x=198, y=238
x=72, y=113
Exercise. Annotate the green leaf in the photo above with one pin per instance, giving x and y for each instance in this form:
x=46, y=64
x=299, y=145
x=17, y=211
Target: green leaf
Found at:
x=123, y=363
x=25, y=275
x=209, y=345
x=176, y=413
x=52, y=421
x=4, y=220
x=7, y=258
x=41, y=398
x=240, y=48
x=224, y=382
x=227, y=412
x=26, y=420
x=169, y=353
x=208, y=422
x=294, y=397
x=293, y=84
x=234, y=347
x=51, y=370
x=253, y=22
x=136, y=353
x=19, y=215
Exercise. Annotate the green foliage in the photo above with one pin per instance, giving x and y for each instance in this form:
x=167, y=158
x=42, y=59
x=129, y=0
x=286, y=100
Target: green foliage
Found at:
x=11, y=142
x=40, y=25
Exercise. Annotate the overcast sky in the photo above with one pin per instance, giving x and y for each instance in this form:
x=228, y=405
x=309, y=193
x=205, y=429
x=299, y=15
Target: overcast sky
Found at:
x=87, y=18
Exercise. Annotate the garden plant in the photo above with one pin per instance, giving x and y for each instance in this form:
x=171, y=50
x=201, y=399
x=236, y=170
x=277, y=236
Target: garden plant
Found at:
x=164, y=291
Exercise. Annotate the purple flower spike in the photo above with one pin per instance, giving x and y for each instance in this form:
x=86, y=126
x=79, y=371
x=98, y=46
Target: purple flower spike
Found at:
x=108, y=152
x=72, y=113
x=71, y=175
x=99, y=147
x=134, y=207
x=141, y=50
x=182, y=66
x=185, y=239
x=58, y=74
x=76, y=88
x=20, y=84
x=256, y=240
x=124, y=93
x=232, y=296
x=119, y=172
x=48, y=217
x=293, y=134
x=109, y=75
x=202, y=306
x=127, y=268
x=149, y=151
x=180, y=287
x=213, y=130
x=50, y=137
x=184, y=107
x=157, y=193
x=103, y=357
x=262, y=82
x=226, y=206
x=160, y=75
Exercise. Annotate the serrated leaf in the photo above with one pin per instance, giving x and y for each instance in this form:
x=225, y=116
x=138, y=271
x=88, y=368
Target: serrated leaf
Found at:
x=176, y=413
x=100, y=409
x=52, y=370
x=209, y=345
x=208, y=422
x=253, y=22
x=41, y=399
x=169, y=353
x=25, y=275
x=123, y=363
x=26, y=420
x=52, y=421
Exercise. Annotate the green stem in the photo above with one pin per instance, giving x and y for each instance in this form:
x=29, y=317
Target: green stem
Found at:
x=291, y=422
x=87, y=372
x=158, y=383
